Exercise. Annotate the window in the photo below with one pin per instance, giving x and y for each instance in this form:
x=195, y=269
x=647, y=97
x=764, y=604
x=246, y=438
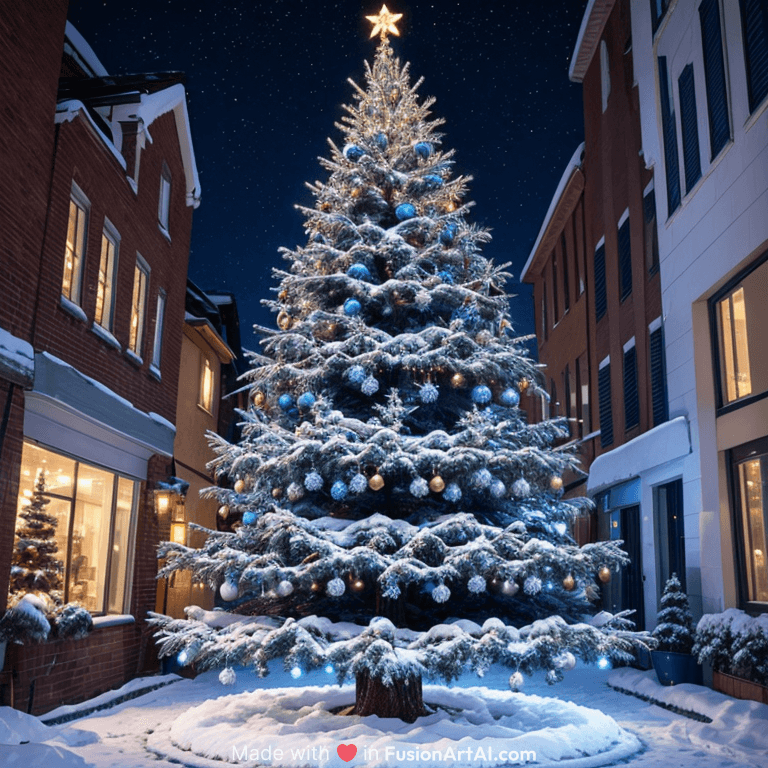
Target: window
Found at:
x=650, y=233
x=749, y=470
x=714, y=74
x=157, y=345
x=631, y=400
x=658, y=9
x=74, y=254
x=582, y=395
x=669, y=534
x=206, y=385
x=671, y=161
x=601, y=301
x=544, y=310
x=689, y=126
x=605, y=74
x=568, y=394
x=95, y=510
x=138, y=305
x=754, y=19
x=625, y=257
x=164, y=202
x=566, y=286
x=105, y=297
x=555, y=292
x=658, y=373
x=604, y=396
x=578, y=254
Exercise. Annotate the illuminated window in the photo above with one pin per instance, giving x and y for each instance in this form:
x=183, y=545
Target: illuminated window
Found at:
x=164, y=201
x=105, y=294
x=157, y=346
x=735, y=347
x=206, y=385
x=95, y=510
x=138, y=305
x=74, y=253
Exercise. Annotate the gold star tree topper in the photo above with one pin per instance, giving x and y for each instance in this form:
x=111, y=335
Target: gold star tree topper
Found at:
x=384, y=23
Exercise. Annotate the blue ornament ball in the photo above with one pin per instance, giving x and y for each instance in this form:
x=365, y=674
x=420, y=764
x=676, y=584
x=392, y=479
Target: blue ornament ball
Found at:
x=356, y=374
x=285, y=402
x=428, y=393
x=306, y=400
x=482, y=478
x=249, y=518
x=452, y=492
x=510, y=397
x=313, y=481
x=448, y=234
x=358, y=483
x=339, y=490
x=433, y=181
x=405, y=211
x=359, y=272
x=353, y=153
x=352, y=307
x=419, y=488
x=370, y=386
x=382, y=141
x=423, y=149
x=468, y=314
x=446, y=276
x=481, y=394
x=498, y=489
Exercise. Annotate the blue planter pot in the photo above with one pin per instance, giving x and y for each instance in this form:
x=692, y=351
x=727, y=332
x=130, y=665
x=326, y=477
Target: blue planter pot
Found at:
x=675, y=668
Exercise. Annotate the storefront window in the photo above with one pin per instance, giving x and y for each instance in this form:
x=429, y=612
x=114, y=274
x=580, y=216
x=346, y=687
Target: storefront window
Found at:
x=752, y=478
x=95, y=509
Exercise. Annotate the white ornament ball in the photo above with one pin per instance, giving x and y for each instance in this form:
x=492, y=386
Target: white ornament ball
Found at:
x=284, y=588
x=336, y=587
x=482, y=478
x=452, y=492
x=313, y=481
x=521, y=488
x=509, y=588
x=428, y=393
x=441, y=593
x=532, y=585
x=228, y=591
x=565, y=660
x=295, y=492
x=476, y=585
x=227, y=676
x=516, y=681
x=358, y=483
x=419, y=488
x=370, y=386
x=498, y=489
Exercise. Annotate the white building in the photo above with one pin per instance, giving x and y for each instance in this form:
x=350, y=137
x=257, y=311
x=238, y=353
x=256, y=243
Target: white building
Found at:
x=702, y=71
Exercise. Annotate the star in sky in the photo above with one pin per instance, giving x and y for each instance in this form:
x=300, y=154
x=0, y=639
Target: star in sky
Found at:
x=384, y=23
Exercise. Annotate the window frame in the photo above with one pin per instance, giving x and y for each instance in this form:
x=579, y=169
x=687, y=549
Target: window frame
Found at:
x=631, y=384
x=624, y=252
x=658, y=14
x=205, y=368
x=135, y=344
x=650, y=230
x=605, y=416
x=669, y=137
x=77, y=198
x=600, y=294
x=689, y=127
x=157, y=338
x=109, y=233
x=566, y=275
x=164, y=199
x=716, y=78
x=755, y=101
x=605, y=75
x=658, y=385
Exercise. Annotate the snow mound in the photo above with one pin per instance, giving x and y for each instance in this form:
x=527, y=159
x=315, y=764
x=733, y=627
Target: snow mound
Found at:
x=18, y=727
x=33, y=755
x=476, y=727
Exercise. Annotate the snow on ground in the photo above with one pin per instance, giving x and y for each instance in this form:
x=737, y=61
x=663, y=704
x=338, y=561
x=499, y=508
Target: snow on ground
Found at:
x=118, y=738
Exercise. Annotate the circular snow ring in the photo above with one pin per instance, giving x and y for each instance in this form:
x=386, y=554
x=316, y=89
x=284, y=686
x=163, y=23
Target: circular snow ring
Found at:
x=472, y=728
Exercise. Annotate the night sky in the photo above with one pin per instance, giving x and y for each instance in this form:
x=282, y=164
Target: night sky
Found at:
x=266, y=81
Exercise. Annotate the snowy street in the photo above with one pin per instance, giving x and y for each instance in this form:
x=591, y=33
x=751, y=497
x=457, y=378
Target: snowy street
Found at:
x=135, y=733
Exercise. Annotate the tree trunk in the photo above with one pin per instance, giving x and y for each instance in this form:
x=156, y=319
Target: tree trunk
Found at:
x=403, y=699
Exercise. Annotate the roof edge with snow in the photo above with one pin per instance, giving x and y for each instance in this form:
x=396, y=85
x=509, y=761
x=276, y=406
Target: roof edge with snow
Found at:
x=592, y=25
x=83, y=52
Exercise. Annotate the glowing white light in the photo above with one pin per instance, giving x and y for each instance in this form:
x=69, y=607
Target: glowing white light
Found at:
x=182, y=657
x=561, y=528
x=296, y=673
x=329, y=669
x=604, y=662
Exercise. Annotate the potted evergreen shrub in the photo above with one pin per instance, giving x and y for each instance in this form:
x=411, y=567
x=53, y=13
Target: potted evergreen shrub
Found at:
x=673, y=661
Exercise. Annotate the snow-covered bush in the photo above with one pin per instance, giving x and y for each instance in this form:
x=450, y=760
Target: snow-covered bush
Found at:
x=734, y=643
x=674, y=632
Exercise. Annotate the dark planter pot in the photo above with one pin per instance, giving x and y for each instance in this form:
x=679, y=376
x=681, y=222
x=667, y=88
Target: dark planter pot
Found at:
x=675, y=668
x=739, y=688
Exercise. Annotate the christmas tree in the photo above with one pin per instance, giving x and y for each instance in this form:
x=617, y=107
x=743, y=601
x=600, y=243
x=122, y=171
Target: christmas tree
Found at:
x=674, y=632
x=387, y=480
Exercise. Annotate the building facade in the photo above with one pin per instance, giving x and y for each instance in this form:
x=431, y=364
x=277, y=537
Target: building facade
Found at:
x=702, y=72
x=92, y=336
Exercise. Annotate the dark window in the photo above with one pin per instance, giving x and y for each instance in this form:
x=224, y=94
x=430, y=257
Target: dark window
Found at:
x=754, y=19
x=604, y=395
x=714, y=73
x=670, y=534
x=625, y=260
x=553, y=402
x=601, y=301
x=690, y=128
x=566, y=281
x=658, y=378
x=651, y=234
x=658, y=9
x=544, y=310
x=567, y=390
x=671, y=161
x=555, y=297
x=582, y=387
x=631, y=401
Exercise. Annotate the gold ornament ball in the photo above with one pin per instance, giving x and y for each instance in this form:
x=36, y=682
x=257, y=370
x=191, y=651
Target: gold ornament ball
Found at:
x=376, y=483
x=259, y=398
x=523, y=384
x=223, y=511
x=316, y=586
x=604, y=574
x=358, y=585
x=436, y=484
x=284, y=321
x=556, y=483
x=458, y=380
x=569, y=582
x=239, y=486
x=277, y=493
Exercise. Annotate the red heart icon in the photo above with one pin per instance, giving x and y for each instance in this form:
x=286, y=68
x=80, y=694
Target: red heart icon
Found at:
x=346, y=751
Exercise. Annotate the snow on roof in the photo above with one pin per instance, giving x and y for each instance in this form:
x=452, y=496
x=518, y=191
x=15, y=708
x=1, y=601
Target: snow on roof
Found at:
x=67, y=111
x=83, y=51
x=573, y=164
x=595, y=16
x=16, y=355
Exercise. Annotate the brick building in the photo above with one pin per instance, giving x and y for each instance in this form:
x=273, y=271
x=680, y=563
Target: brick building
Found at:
x=98, y=186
